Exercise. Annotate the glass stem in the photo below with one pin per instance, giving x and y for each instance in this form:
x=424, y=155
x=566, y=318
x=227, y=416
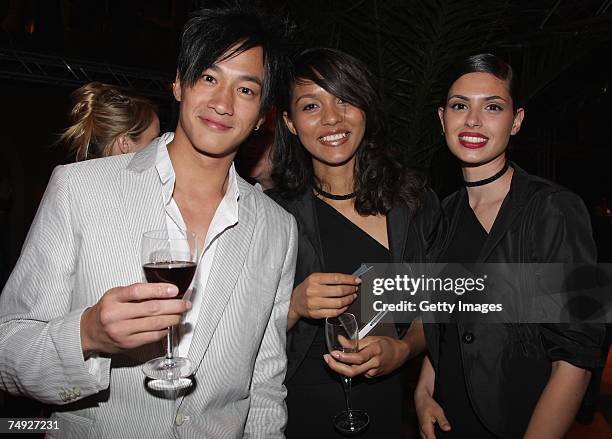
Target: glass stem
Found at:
x=346, y=384
x=170, y=343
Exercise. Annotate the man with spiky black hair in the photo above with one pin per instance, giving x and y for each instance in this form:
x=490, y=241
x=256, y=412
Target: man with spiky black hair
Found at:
x=76, y=320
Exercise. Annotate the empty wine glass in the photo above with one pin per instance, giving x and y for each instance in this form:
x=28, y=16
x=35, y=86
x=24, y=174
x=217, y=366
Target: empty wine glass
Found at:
x=170, y=257
x=342, y=334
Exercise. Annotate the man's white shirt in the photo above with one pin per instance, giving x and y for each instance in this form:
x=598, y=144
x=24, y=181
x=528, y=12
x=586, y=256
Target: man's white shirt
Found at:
x=226, y=216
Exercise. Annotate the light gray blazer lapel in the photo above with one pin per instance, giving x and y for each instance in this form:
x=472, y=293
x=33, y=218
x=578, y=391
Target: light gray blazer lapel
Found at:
x=143, y=210
x=142, y=198
x=229, y=260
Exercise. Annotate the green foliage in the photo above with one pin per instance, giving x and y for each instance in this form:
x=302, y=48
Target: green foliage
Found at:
x=411, y=45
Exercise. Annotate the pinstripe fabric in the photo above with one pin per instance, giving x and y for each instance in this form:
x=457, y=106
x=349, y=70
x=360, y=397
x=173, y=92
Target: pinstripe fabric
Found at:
x=85, y=240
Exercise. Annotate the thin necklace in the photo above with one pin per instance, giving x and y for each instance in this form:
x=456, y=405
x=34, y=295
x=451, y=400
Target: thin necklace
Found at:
x=487, y=180
x=334, y=196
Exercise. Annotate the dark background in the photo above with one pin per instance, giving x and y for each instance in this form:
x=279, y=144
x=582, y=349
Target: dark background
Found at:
x=560, y=50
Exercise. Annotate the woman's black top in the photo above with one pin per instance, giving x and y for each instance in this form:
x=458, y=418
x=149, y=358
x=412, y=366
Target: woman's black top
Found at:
x=450, y=388
x=412, y=237
x=315, y=392
x=506, y=367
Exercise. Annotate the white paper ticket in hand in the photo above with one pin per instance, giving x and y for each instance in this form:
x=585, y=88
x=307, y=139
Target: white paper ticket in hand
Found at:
x=371, y=324
x=363, y=269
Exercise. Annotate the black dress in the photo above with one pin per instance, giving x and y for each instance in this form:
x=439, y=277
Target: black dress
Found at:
x=450, y=388
x=315, y=392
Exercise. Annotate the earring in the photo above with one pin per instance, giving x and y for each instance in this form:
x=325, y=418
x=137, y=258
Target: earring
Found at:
x=256, y=128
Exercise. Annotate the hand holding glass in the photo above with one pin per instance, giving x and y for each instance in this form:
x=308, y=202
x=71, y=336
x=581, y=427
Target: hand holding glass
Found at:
x=342, y=334
x=170, y=257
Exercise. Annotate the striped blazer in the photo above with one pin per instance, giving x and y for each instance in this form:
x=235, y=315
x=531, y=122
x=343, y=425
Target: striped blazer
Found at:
x=84, y=241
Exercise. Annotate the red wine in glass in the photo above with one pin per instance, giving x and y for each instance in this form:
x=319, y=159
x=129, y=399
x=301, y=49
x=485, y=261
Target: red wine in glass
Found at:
x=179, y=273
x=169, y=256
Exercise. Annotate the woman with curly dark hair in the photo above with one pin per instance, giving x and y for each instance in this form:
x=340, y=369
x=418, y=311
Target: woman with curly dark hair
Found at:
x=354, y=203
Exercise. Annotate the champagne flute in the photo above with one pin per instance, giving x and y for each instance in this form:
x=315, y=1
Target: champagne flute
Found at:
x=169, y=256
x=342, y=334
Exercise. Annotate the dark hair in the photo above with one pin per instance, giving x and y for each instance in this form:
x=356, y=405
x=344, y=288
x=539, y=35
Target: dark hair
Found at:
x=380, y=179
x=488, y=63
x=214, y=35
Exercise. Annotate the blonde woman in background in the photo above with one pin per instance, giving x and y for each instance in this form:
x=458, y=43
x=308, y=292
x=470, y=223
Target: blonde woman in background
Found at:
x=106, y=121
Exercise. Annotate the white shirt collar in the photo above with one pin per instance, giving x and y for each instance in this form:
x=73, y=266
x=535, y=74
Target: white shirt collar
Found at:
x=226, y=214
x=167, y=177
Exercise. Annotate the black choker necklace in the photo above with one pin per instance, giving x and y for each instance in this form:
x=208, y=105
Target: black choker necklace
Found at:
x=334, y=196
x=487, y=180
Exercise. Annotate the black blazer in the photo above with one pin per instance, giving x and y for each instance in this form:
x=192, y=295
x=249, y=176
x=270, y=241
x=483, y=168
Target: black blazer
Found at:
x=506, y=366
x=411, y=238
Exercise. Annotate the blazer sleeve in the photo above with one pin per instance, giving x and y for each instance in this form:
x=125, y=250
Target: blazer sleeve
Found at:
x=563, y=235
x=268, y=413
x=41, y=355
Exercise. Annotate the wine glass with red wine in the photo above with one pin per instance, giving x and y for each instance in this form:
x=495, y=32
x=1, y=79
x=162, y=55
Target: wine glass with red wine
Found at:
x=171, y=257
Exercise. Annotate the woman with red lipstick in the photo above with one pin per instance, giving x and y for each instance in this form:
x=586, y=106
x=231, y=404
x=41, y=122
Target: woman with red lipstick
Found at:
x=354, y=203
x=497, y=380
